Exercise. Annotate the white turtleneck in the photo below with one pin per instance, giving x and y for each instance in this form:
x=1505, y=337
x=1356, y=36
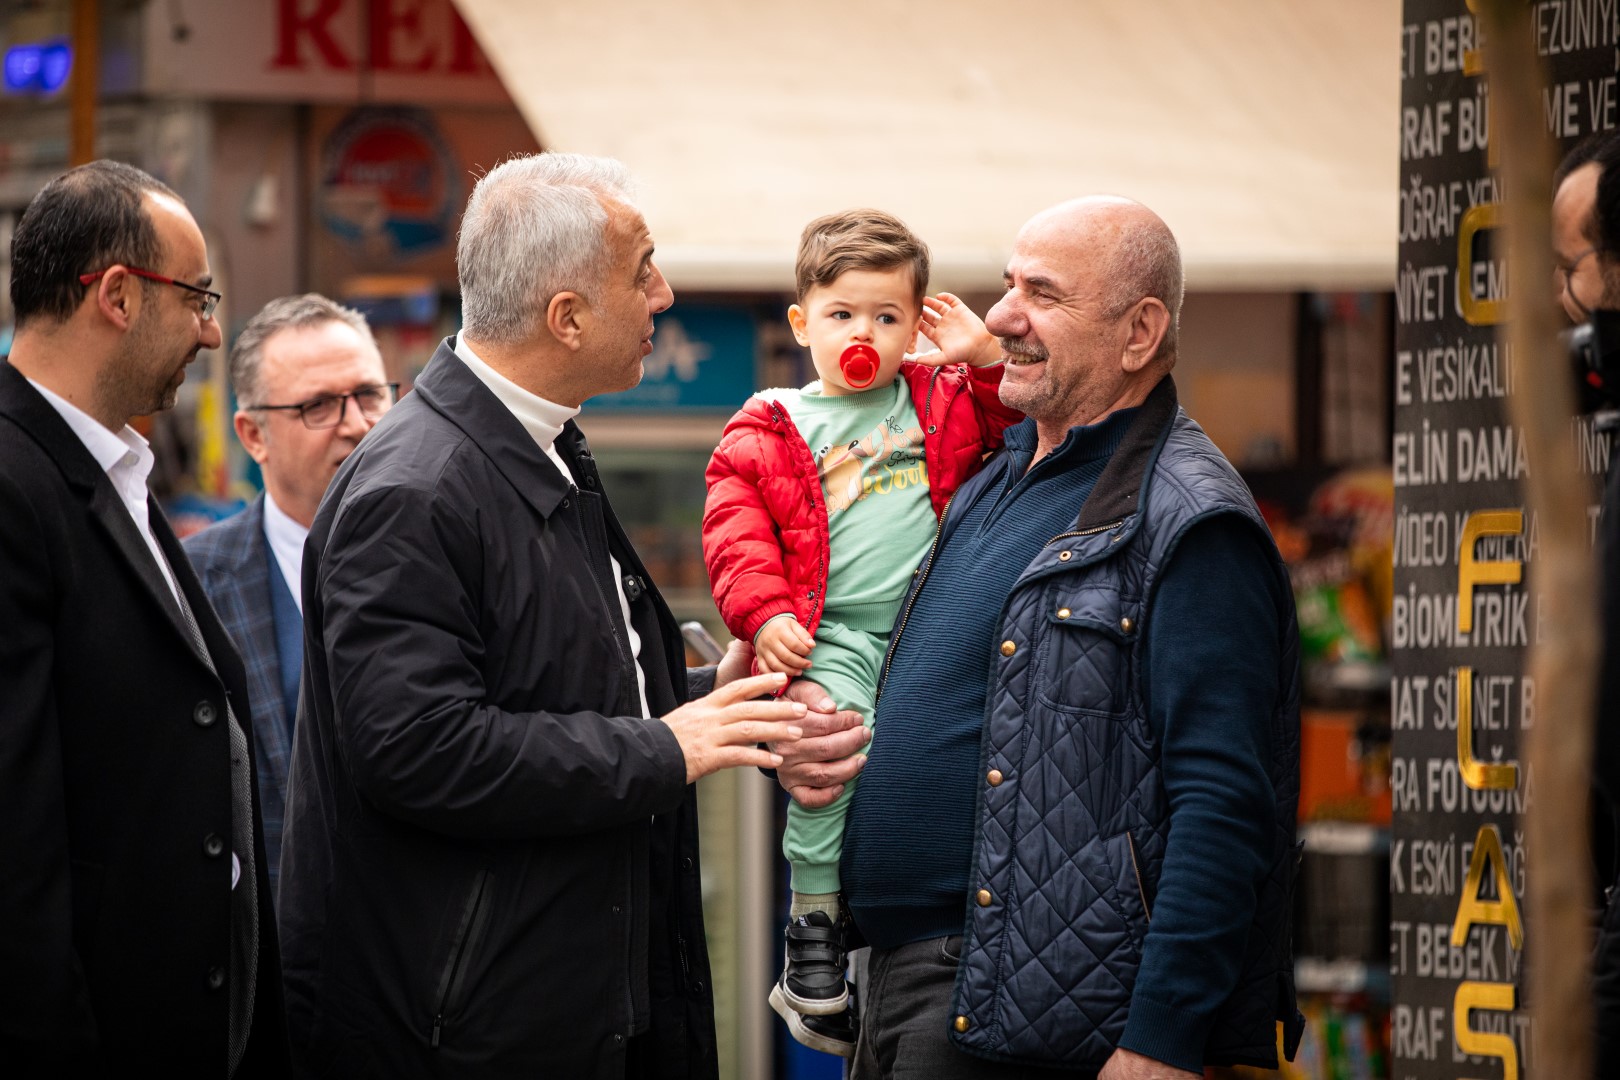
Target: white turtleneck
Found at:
x=544, y=421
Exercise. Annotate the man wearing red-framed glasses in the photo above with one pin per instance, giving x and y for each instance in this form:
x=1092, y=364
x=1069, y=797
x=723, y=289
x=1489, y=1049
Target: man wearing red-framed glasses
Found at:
x=139, y=937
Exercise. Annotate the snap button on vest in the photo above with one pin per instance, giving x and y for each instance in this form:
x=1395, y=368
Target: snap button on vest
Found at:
x=213, y=846
x=216, y=978
x=204, y=714
x=1126, y=625
x=1065, y=556
x=1008, y=648
x=961, y=1024
x=995, y=777
x=983, y=897
x=1063, y=613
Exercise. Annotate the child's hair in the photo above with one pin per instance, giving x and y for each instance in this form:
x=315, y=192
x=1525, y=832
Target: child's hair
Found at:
x=858, y=240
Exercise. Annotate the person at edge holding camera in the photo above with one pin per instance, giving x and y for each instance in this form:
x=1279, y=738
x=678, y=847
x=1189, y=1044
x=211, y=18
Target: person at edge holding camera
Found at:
x=1586, y=247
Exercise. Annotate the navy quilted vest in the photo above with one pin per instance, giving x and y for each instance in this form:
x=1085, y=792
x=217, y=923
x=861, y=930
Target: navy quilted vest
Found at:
x=1071, y=840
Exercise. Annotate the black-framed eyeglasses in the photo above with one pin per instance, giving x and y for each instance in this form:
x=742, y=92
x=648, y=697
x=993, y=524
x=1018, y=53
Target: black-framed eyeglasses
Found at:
x=1566, y=271
x=327, y=410
x=210, y=298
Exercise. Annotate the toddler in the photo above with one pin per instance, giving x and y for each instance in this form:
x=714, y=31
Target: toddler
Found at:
x=821, y=504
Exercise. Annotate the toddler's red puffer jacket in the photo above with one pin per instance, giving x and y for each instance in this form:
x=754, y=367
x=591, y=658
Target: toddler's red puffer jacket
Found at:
x=765, y=520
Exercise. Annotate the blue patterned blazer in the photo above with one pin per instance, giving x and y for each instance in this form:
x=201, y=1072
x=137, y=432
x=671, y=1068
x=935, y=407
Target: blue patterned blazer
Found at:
x=233, y=560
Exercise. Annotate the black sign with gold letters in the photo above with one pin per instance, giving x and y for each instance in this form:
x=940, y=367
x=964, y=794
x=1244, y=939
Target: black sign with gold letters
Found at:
x=1466, y=609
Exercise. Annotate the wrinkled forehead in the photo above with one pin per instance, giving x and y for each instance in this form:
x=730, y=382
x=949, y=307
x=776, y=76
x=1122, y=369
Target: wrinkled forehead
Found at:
x=1055, y=259
x=328, y=356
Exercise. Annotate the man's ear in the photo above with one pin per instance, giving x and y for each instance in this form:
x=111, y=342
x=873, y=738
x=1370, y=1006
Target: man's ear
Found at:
x=1149, y=322
x=250, y=433
x=800, y=324
x=116, y=296
x=567, y=316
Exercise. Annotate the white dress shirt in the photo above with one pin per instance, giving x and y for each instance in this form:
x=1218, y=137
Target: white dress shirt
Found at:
x=544, y=421
x=286, y=539
x=127, y=460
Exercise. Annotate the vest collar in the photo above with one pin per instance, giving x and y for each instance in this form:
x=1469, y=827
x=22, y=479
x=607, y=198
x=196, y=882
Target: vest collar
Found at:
x=1121, y=489
x=1110, y=515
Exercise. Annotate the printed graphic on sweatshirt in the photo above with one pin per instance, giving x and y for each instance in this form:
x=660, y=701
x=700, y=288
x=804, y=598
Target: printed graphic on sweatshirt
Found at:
x=889, y=459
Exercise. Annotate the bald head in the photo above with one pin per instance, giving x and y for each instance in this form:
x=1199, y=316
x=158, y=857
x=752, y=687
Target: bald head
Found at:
x=1088, y=319
x=1132, y=250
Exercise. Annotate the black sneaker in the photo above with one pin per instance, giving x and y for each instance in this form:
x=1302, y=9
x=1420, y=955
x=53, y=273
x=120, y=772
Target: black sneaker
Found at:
x=812, y=980
x=834, y=1034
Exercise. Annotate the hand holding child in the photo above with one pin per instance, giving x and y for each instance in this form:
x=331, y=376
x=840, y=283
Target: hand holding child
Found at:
x=959, y=333
x=782, y=645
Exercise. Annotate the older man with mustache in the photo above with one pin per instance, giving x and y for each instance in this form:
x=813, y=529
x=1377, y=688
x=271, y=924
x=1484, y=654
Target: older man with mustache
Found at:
x=1072, y=848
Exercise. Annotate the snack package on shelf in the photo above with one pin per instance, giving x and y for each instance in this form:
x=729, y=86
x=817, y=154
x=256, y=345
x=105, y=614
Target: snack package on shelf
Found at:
x=1337, y=621
x=1344, y=765
x=1359, y=506
x=1338, y=552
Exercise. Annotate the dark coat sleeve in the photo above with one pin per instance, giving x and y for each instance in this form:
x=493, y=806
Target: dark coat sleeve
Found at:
x=1606, y=777
x=1606, y=734
x=401, y=595
x=45, y=1011
x=1213, y=652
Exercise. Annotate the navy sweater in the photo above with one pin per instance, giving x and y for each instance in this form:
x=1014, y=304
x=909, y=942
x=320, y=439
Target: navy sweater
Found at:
x=908, y=844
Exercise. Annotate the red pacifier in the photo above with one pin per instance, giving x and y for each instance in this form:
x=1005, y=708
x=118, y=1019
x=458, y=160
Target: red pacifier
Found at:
x=859, y=366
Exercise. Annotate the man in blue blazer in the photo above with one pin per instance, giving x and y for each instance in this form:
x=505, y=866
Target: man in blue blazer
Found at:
x=310, y=383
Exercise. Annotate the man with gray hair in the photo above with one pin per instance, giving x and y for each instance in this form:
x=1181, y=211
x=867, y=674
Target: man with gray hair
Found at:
x=490, y=866
x=1089, y=738
x=309, y=384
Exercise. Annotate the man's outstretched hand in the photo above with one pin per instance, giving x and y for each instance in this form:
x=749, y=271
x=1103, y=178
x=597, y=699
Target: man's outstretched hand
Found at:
x=723, y=730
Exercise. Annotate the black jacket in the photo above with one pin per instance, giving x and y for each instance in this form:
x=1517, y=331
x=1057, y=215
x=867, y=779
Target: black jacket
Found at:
x=490, y=861
x=115, y=791
x=1606, y=779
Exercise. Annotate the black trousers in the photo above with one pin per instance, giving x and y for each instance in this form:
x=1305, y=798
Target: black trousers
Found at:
x=906, y=1014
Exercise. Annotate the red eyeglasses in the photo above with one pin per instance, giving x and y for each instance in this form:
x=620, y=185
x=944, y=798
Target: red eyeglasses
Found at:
x=210, y=298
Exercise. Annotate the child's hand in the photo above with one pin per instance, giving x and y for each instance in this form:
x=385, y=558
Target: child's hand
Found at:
x=959, y=333
x=782, y=645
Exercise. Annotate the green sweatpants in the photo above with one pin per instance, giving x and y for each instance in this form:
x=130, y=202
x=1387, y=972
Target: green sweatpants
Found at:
x=846, y=664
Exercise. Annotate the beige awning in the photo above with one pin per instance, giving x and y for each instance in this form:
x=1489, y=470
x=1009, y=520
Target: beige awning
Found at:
x=1265, y=133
